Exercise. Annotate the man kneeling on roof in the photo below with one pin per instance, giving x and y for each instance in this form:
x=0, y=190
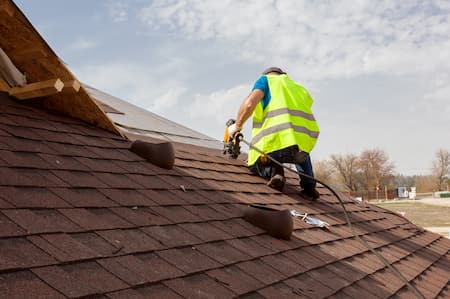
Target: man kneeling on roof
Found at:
x=283, y=126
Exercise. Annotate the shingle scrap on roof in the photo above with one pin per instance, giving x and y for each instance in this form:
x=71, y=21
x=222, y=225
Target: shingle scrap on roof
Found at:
x=82, y=216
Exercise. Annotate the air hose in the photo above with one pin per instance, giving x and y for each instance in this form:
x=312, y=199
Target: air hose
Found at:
x=380, y=257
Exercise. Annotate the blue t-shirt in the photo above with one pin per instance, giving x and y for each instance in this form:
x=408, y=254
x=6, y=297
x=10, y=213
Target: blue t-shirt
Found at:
x=263, y=85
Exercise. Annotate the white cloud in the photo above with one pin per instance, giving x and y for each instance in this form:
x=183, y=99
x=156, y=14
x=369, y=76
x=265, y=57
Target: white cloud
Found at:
x=146, y=87
x=220, y=104
x=328, y=39
x=118, y=10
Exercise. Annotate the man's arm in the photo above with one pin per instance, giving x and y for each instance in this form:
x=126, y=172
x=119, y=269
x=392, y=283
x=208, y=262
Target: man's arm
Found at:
x=247, y=107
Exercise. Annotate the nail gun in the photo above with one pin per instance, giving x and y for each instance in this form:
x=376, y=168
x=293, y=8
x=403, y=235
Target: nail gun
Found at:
x=231, y=145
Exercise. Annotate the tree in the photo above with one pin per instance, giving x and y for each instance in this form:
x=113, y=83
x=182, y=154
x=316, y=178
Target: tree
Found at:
x=376, y=168
x=441, y=169
x=347, y=169
x=323, y=170
x=425, y=183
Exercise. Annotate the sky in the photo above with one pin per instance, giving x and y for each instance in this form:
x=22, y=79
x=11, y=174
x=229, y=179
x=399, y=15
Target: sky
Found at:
x=378, y=71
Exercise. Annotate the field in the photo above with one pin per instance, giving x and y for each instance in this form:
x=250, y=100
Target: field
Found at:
x=425, y=215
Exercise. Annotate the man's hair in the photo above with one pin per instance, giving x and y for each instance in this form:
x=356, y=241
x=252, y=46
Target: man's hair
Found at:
x=273, y=69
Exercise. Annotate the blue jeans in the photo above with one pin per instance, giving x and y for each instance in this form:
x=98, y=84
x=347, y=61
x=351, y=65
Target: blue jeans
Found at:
x=286, y=155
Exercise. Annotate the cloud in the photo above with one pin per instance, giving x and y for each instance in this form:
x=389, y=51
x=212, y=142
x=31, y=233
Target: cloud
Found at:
x=117, y=10
x=221, y=104
x=148, y=88
x=330, y=40
x=82, y=43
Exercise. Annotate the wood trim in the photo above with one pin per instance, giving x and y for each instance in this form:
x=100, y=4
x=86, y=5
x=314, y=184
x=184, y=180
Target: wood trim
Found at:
x=4, y=86
x=38, y=89
x=6, y=7
x=28, y=54
x=71, y=86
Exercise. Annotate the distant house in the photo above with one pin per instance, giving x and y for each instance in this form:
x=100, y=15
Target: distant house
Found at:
x=84, y=217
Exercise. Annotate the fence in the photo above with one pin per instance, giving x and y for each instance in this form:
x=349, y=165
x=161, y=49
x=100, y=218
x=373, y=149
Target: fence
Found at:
x=375, y=195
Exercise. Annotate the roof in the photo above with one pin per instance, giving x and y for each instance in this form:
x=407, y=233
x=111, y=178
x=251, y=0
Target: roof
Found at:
x=82, y=215
x=133, y=120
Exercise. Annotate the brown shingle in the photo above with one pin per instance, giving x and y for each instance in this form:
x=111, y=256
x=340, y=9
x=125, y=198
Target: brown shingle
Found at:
x=140, y=269
x=171, y=235
x=249, y=246
x=176, y=214
x=79, y=179
x=261, y=271
x=223, y=252
x=140, y=216
x=8, y=228
x=155, y=291
x=130, y=240
x=188, y=259
x=198, y=286
x=18, y=285
x=99, y=165
x=206, y=231
x=41, y=221
x=127, y=197
x=150, y=182
x=95, y=243
x=83, y=197
x=24, y=159
x=80, y=279
x=115, y=180
x=29, y=177
x=235, y=279
x=19, y=253
x=93, y=219
x=280, y=290
x=32, y=197
x=283, y=264
x=63, y=162
x=63, y=247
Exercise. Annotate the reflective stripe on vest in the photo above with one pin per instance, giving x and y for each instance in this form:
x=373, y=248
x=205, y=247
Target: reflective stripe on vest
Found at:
x=286, y=121
x=258, y=124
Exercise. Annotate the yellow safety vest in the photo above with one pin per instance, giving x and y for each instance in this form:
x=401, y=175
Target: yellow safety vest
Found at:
x=287, y=120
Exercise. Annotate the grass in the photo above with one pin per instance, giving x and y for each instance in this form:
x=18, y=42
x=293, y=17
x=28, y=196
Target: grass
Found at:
x=424, y=215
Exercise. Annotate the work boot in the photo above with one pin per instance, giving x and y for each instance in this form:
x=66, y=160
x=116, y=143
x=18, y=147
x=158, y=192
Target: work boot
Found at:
x=310, y=193
x=277, y=182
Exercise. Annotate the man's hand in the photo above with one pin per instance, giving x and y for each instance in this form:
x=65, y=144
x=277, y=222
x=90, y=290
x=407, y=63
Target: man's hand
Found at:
x=233, y=129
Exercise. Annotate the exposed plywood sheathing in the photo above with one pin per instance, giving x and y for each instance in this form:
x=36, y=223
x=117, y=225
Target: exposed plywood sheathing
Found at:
x=39, y=89
x=31, y=54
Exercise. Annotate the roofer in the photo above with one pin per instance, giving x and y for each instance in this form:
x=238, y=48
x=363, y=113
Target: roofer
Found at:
x=283, y=126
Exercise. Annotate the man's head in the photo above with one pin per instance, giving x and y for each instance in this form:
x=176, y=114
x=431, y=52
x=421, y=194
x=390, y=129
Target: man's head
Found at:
x=275, y=70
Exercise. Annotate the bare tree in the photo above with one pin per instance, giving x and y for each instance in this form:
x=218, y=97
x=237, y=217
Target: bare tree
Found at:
x=441, y=169
x=425, y=183
x=347, y=169
x=323, y=170
x=376, y=167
